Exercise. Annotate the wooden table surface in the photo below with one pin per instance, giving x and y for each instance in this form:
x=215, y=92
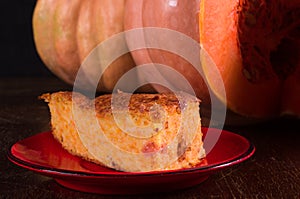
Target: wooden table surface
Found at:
x=273, y=171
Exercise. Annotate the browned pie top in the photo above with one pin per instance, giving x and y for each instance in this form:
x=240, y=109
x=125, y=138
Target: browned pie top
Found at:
x=138, y=103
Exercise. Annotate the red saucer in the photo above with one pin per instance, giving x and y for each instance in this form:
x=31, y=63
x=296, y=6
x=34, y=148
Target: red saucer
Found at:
x=41, y=153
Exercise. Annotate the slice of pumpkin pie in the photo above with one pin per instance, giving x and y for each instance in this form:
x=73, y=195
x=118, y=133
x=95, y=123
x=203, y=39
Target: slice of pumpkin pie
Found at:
x=129, y=132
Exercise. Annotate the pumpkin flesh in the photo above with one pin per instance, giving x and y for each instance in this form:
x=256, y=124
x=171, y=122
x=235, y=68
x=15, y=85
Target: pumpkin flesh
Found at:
x=243, y=43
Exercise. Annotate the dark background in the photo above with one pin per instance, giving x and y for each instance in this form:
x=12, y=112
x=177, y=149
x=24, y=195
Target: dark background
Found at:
x=18, y=54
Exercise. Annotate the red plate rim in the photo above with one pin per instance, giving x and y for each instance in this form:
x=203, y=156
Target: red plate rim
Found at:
x=118, y=174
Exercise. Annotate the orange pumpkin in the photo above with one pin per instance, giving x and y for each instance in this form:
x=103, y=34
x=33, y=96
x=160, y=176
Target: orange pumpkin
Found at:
x=65, y=32
x=254, y=46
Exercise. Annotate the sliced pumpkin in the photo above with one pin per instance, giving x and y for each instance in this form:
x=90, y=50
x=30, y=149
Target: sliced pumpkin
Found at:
x=255, y=47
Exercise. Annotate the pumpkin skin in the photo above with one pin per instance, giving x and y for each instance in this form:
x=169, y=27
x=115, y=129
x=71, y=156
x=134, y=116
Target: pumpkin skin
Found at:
x=65, y=32
x=160, y=14
x=230, y=32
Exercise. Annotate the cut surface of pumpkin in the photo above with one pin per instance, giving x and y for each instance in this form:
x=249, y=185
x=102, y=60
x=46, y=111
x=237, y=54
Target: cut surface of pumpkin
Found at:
x=255, y=46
